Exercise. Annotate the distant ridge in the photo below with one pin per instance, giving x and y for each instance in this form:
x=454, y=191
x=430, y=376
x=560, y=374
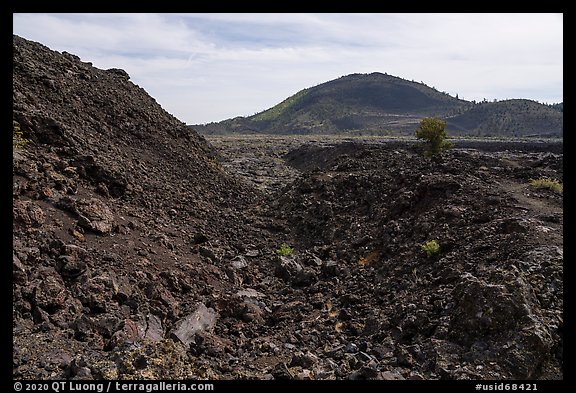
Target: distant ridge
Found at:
x=378, y=103
x=513, y=118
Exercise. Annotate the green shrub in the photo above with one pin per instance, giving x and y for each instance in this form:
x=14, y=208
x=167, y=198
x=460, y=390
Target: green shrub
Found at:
x=546, y=182
x=431, y=247
x=432, y=130
x=285, y=250
x=18, y=140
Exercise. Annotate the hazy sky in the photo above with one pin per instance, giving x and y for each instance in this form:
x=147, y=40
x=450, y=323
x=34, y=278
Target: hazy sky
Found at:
x=211, y=67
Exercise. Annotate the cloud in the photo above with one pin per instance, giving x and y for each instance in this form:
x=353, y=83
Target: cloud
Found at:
x=209, y=67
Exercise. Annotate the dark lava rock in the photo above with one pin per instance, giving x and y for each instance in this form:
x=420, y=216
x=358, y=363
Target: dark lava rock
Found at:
x=141, y=251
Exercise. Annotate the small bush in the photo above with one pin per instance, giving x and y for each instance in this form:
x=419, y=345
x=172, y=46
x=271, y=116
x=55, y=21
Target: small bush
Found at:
x=285, y=250
x=431, y=247
x=18, y=140
x=432, y=130
x=546, y=182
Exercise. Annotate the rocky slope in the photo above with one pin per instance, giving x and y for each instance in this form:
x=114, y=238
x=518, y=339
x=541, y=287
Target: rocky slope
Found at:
x=114, y=202
x=142, y=252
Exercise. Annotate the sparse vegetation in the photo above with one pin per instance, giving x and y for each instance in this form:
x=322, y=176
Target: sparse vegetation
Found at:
x=431, y=247
x=285, y=250
x=433, y=131
x=546, y=182
x=214, y=162
x=18, y=140
x=276, y=111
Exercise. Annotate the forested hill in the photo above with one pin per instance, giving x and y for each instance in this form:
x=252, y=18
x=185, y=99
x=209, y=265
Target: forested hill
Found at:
x=384, y=104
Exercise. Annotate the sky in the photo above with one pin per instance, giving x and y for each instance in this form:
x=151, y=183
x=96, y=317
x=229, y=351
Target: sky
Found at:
x=210, y=67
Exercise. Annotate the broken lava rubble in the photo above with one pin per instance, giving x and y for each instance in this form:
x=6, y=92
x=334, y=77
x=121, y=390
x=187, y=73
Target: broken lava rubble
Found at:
x=137, y=255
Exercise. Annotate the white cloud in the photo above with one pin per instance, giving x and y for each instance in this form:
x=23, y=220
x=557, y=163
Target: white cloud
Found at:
x=208, y=67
